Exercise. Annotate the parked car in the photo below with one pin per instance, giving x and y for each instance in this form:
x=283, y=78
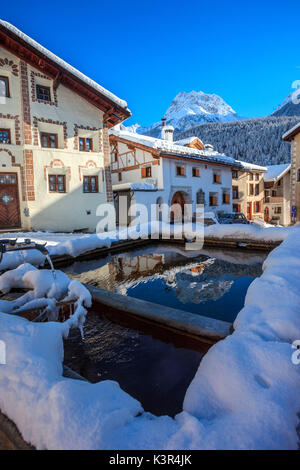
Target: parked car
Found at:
x=233, y=218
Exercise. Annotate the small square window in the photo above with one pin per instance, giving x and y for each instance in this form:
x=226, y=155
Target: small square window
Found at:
x=85, y=144
x=57, y=183
x=196, y=172
x=217, y=178
x=49, y=140
x=90, y=184
x=180, y=171
x=43, y=93
x=146, y=172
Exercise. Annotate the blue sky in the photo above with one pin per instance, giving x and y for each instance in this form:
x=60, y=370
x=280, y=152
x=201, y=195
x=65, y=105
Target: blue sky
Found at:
x=147, y=51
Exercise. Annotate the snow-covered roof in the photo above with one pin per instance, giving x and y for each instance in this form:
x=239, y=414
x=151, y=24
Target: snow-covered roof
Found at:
x=134, y=187
x=64, y=64
x=252, y=166
x=275, y=172
x=171, y=148
x=187, y=141
x=292, y=132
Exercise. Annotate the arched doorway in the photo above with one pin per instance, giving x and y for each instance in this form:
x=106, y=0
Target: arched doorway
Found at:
x=177, y=205
x=266, y=214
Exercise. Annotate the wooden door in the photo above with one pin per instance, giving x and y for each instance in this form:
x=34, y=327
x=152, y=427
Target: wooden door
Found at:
x=178, y=209
x=249, y=211
x=9, y=201
x=266, y=215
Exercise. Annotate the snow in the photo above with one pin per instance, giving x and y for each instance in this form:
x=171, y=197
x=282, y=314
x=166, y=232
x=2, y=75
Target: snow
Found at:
x=135, y=187
x=251, y=166
x=187, y=141
x=74, y=244
x=64, y=64
x=291, y=131
x=165, y=146
x=191, y=109
x=43, y=289
x=275, y=172
x=245, y=394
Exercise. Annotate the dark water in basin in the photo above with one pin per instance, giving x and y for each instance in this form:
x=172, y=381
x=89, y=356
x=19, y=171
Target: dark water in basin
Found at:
x=155, y=372
x=212, y=283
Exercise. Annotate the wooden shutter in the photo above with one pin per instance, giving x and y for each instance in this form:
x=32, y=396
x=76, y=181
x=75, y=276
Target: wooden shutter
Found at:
x=182, y=170
x=239, y=208
x=227, y=198
x=144, y=173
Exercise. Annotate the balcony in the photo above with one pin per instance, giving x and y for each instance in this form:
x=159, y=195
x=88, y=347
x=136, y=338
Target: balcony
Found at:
x=273, y=200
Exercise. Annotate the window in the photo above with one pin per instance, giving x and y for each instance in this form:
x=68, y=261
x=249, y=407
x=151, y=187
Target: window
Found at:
x=180, y=171
x=85, y=144
x=146, y=172
x=226, y=198
x=57, y=183
x=5, y=136
x=196, y=172
x=43, y=93
x=273, y=193
x=279, y=183
x=256, y=189
x=200, y=198
x=298, y=175
x=213, y=200
x=277, y=210
x=251, y=189
x=235, y=192
x=4, y=87
x=251, y=176
x=257, y=176
x=256, y=206
x=90, y=184
x=236, y=208
x=217, y=178
x=235, y=174
x=120, y=176
x=49, y=140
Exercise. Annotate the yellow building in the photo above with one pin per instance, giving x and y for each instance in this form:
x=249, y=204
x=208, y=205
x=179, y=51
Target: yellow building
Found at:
x=248, y=190
x=54, y=145
x=293, y=136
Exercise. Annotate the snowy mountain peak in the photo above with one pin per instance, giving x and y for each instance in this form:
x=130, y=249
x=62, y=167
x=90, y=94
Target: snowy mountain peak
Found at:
x=290, y=105
x=191, y=109
x=201, y=104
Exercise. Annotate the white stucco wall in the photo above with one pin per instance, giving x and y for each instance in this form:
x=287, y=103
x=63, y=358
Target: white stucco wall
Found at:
x=54, y=211
x=168, y=182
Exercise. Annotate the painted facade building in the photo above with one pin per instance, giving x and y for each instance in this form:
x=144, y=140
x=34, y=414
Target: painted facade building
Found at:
x=248, y=190
x=54, y=145
x=277, y=208
x=293, y=136
x=159, y=171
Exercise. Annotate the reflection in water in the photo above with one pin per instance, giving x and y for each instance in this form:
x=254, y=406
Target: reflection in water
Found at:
x=211, y=283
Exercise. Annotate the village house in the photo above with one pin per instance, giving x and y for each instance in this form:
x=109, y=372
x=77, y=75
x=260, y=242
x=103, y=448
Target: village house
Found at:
x=277, y=194
x=293, y=136
x=248, y=190
x=54, y=145
x=152, y=171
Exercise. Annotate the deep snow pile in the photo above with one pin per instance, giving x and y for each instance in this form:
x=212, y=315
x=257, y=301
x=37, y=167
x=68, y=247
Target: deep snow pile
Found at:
x=245, y=394
x=44, y=288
